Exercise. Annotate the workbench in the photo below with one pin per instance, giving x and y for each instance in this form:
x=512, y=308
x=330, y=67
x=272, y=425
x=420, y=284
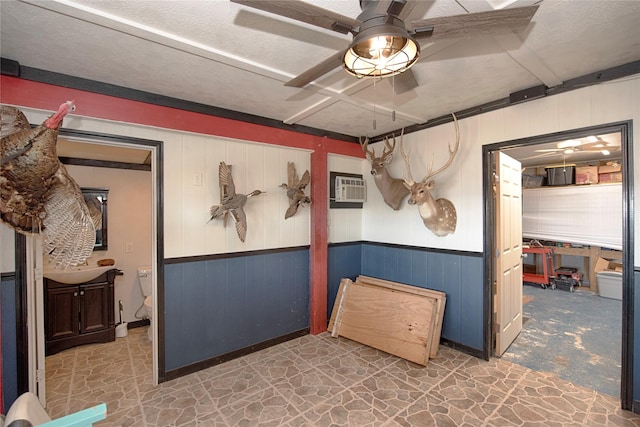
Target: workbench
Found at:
x=590, y=255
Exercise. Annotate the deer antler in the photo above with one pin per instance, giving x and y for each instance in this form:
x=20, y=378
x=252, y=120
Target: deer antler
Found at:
x=388, y=147
x=365, y=144
x=452, y=153
x=410, y=180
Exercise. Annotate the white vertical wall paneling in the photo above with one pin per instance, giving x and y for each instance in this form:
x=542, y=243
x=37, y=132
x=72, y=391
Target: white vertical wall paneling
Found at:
x=613, y=101
x=173, y=200
x=194, y=209
x=574, y=110
x=296, y=228
x=7, y=249
x=345, y=225
x=608, y=102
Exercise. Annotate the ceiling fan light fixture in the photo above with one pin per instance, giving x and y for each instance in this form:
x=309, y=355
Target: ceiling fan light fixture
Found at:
x=381, y=51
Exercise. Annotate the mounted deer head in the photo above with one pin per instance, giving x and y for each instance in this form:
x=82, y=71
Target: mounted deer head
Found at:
x=392, y=189
x=439, y=215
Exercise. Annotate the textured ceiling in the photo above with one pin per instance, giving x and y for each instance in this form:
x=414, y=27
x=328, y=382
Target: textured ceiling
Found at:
x=230, y=56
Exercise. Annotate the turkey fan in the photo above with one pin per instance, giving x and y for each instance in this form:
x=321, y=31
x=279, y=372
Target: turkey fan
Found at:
x=37, y=194
x=384, y=18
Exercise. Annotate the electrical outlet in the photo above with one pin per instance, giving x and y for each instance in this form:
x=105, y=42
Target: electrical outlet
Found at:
x=197, y=178
x=128, y=247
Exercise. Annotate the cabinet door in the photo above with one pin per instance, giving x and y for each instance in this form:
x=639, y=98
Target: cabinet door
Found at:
x=61, y=312
x=94, y=307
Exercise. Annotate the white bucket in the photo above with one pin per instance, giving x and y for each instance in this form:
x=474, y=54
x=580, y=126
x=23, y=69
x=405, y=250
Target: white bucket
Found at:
x=121, y=330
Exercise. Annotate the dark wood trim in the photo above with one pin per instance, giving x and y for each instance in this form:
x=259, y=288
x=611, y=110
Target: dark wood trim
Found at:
x=159, y=256
x=8, y=276
x=628, y=314
x=628, y=288
x=463, y=348
x=186, y=370
x=138, y=324
x=22, y=333
x=197, y=258
x=488, y=246
x=104, y=164
x=425, y=249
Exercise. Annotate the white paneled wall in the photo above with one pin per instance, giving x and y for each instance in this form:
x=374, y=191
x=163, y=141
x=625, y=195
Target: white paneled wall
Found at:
x=7, y=256
x=186, y=205
x=188, y=229
x=345, y=225
x=462, y=184
x=404, y=226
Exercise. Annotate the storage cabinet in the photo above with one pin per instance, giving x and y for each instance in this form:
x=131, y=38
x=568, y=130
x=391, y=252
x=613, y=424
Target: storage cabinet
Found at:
x=79, y=314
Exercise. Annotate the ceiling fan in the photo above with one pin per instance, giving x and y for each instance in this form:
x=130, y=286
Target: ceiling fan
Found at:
x=569, y=147
x=384, y=43
x=592, y=143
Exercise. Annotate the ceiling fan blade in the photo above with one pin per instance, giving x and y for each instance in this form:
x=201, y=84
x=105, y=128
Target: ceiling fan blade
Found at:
x=305, y=12
x=475, y=24
x=404, y=82
x=551, y=150
x=317, y=71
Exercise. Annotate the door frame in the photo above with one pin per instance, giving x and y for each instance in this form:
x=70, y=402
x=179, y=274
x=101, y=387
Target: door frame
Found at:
x=625, y=128
x=156, y=148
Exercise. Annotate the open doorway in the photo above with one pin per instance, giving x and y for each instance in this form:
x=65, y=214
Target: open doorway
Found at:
x=92, y=151
x=626, y=339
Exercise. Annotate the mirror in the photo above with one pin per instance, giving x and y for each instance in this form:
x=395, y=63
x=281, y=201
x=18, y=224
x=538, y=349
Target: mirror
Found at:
x=96, y=199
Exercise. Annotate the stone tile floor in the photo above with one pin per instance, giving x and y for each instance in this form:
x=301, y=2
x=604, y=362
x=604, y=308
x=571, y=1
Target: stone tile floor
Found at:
x=320, y=381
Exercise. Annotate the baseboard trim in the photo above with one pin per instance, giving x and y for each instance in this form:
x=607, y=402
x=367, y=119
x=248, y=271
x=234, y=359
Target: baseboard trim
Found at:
x=463, y=348
x=138, y=323
x=189, y=369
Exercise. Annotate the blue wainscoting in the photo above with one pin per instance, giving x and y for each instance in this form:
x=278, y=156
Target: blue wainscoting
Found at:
x=216, y=306
x=458, y=274
x=9, y=345
x=344, y=261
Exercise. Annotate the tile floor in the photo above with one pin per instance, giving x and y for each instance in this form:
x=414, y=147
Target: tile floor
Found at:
x=320, y=381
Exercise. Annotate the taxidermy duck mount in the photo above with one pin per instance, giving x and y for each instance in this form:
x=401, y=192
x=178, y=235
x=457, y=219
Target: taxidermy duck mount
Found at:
x=231, y=203
x=295, y=189
x=37, y=194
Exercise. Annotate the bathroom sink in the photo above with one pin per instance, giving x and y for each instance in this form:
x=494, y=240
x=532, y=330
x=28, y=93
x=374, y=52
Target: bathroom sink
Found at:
x=75, y=275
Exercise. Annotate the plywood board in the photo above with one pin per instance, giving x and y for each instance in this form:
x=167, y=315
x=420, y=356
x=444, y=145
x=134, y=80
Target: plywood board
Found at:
x=398, y=323
x=441, y=299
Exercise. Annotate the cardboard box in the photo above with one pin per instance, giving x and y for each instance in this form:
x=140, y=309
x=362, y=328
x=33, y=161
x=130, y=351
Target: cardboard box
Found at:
x=615, y=167
x=587, y=175
x=610, y=177
x=606, y=265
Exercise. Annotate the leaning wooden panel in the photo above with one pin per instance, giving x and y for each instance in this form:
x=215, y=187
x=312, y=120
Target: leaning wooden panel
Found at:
x=398, y=323
x=440, y=296
x=336, y=304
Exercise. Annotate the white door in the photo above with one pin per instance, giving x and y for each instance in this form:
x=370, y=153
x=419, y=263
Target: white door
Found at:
x=35, y=317
x=508, y=261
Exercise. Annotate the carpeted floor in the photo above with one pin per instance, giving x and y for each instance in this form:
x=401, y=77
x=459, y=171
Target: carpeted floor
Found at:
x=575, y=335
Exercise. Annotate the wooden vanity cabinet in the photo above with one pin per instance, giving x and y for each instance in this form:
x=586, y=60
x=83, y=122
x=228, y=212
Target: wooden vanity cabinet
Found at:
x=79, y=314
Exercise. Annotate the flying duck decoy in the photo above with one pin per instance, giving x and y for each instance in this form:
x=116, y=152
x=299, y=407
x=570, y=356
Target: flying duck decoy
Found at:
x=231, y=203
x=295, y=189
x=37, y=194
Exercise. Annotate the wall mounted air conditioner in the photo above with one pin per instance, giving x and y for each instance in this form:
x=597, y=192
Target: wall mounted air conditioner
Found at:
x=350, y=189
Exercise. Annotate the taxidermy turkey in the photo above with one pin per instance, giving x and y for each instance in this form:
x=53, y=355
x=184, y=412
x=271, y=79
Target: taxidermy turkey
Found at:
x=37, y=194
